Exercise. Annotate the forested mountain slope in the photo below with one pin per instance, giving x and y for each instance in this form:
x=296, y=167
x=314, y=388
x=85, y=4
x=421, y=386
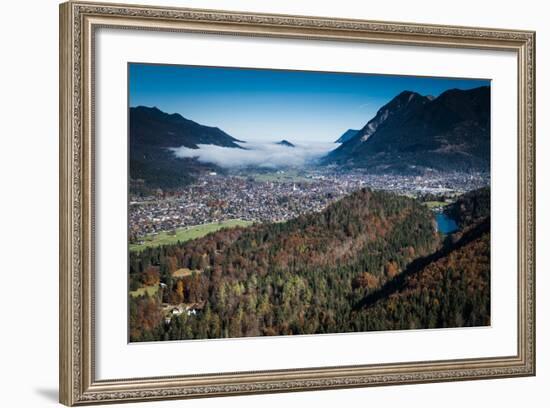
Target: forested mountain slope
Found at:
x=301, y=276
x=370, y=261
x=449, y=289
x=413, y=133
x=152, y=133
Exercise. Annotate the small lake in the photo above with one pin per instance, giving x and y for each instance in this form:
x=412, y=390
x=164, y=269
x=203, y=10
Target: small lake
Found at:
x=445, y=225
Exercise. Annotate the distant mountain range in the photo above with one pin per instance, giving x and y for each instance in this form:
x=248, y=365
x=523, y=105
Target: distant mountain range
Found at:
x=153, y=127
x=348, y=134
x=153, y=132
x=285, y=143
x=413, y=133
x=409, y=135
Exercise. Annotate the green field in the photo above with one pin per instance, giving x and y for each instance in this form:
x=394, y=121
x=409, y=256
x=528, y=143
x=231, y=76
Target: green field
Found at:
x=435, y=204
x=183, y=272
x=185, y=234
x=151, y=291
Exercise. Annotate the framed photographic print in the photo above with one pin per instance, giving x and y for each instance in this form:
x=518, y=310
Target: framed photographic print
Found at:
x=258, y=203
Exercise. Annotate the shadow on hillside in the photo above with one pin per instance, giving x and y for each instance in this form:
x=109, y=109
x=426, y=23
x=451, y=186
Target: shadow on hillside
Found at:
x=418, y=264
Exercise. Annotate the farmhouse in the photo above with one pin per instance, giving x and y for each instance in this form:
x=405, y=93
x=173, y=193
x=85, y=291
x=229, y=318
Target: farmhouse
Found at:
x=195, y=308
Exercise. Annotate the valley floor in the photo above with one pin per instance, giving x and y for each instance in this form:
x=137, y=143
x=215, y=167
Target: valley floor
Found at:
x=273, y=196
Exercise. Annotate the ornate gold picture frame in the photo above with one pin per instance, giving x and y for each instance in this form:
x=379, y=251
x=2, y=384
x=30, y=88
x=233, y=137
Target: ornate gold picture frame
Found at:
x=78, y=24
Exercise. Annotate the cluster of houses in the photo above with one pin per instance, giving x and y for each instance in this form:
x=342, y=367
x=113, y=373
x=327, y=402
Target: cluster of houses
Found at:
x=191, y=309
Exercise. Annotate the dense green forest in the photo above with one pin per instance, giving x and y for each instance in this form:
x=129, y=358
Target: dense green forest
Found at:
x=370, y=261
x=471, y=207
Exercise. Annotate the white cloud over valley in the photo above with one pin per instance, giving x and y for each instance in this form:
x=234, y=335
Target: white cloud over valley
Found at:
x=253, y=154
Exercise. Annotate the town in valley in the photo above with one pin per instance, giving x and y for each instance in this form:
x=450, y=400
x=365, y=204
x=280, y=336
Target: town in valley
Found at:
x=277, y=196
x=266, y=202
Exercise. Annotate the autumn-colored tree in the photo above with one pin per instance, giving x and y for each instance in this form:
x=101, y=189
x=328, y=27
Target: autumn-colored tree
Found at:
x=366, y=280
x=391, y=269
x=151, y=276
x=172, y=263
x=180, y=290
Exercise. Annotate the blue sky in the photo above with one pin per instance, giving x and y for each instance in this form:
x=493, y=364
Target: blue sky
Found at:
x=269, y=105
